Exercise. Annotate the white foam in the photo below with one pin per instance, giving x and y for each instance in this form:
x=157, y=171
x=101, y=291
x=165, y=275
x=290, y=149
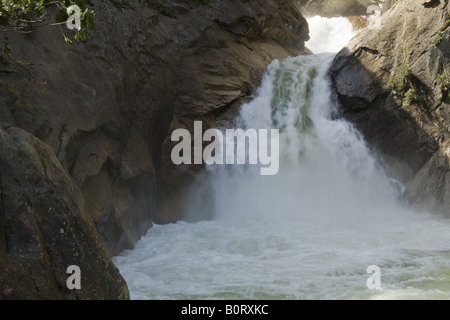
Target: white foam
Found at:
x=328, y=34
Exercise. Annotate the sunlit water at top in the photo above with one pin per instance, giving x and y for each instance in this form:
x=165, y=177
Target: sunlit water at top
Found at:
x=328, y=34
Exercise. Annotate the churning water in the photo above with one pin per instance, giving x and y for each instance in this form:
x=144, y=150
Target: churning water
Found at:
x=309, y=232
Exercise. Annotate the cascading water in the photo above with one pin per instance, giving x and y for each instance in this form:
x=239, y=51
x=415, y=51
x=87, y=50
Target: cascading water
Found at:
x=328, y=34
x=309, y=232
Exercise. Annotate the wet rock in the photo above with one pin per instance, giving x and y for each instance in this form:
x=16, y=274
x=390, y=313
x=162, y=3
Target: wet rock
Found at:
x=387, y=81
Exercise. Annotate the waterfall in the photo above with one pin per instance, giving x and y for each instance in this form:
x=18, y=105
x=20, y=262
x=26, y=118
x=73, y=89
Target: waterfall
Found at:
x=326, y=170
x=309, y=232
x=328, y=34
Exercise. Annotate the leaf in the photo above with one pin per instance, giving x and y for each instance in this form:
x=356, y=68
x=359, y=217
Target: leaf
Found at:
x=67, y=40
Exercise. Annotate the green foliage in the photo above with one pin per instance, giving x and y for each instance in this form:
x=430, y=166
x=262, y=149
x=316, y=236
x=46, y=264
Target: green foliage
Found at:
x=26, y=15
x=410, y=97
x=444, y=81
x=400, y=83
x=87, y=19
x=19, y=96
x=21, y=15
x=438, y=37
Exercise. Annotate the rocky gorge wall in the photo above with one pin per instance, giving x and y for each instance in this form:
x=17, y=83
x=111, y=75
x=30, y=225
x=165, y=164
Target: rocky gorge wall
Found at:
x=44, y=228
x=84, y=159
x=393, y=84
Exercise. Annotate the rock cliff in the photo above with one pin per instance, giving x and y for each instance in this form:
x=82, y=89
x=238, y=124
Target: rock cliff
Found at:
x=393, y=84
x=44, y=228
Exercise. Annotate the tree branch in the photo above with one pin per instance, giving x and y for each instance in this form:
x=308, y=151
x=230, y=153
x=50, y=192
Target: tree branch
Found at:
x=22, y=65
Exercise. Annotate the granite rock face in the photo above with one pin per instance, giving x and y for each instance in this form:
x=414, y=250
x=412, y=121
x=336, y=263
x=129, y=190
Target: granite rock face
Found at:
x=44, y=228
x=391, y=84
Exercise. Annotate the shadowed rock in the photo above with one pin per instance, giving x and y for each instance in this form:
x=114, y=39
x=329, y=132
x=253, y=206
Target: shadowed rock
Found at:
x=44, y=228
x=409, y=126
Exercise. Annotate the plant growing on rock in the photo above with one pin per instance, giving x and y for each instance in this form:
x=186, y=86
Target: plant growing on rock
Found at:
x=401, y=84
x=410, y=97
x=444, y=81
x=438, y=37
x=23, y=16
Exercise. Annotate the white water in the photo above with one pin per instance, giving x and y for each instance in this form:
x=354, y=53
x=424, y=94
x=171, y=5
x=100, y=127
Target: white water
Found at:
x=309, y=232
x=328, y=34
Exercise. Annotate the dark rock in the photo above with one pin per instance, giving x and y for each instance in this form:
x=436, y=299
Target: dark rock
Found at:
x=44, y=228
x=409, y=127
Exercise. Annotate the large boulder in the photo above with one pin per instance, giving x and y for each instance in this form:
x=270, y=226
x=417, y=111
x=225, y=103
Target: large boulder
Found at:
x=44, y=228
x=391, y=84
